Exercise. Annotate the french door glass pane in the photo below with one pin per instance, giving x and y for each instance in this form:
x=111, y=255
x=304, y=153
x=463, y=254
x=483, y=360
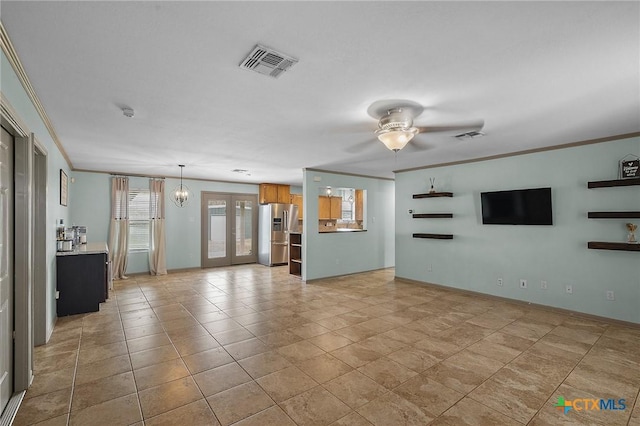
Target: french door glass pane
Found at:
x=217, y=228
x=244, y=232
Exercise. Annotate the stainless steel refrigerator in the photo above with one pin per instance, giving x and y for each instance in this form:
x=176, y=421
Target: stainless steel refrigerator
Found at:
x=275, y=223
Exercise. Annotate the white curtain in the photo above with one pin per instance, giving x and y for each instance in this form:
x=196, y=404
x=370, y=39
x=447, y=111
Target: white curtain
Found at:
x=119, y=227
x=157, y=244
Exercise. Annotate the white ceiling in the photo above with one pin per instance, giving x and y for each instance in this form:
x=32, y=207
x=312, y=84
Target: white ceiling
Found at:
x=539, y=74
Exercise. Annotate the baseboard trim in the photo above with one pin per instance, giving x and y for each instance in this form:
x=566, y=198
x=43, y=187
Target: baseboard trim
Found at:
x=316, y=280
x=523, y=303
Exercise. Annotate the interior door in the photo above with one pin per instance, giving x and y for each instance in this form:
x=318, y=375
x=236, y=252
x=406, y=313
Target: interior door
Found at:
x=6, y=268
x=229, y=229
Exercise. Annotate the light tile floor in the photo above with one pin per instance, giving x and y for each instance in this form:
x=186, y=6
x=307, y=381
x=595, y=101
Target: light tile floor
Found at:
x=252, y=345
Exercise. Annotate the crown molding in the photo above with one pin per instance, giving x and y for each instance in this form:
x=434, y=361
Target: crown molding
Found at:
x=525, y=152
x=310, y=169
x=14, y=60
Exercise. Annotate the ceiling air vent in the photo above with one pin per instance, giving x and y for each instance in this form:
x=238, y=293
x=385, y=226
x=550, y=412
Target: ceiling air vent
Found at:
x=264, y=60
x=469, y=135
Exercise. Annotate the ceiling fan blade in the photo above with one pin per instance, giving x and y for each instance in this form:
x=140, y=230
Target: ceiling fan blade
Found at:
x=416, y=145
x=362, y=146
x=453, y=128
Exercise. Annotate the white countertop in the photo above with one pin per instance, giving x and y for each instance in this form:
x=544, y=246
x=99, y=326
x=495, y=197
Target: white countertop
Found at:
x=89, y=248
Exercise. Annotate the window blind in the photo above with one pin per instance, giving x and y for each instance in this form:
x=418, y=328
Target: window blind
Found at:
x=139, y=219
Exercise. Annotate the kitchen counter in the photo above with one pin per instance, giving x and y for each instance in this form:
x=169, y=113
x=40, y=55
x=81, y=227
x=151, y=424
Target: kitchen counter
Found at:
x=89, y=248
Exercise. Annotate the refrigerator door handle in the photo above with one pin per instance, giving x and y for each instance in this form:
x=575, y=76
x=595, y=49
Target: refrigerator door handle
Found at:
x=286, y=221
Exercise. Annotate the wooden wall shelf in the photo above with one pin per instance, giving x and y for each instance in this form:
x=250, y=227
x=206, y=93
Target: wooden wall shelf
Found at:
x=432, y=215
x=433, y=195
x=613, y=215
x=295, y=254
x=612, y=183
x=434, y=236
x=601, y=245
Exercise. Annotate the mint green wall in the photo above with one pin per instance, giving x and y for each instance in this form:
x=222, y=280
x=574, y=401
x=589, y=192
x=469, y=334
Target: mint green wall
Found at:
x=480, y=254
x=332, y=254
x=91, y=193
x=15, y=94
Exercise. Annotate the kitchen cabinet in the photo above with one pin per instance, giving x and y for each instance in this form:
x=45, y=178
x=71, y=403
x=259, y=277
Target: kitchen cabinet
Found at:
x=336, y=207
x=324, y=207
x=296, y=199
x=82, y=279
x=329, y=208
x=284, y=194
x=359, y=204
x=268, y=193
x=274, y=193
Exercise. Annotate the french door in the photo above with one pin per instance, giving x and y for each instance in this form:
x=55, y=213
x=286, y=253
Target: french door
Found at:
x=229, y=229
x=6, y=268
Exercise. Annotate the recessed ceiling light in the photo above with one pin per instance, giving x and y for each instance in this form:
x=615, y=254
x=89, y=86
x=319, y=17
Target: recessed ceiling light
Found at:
x=128, y=112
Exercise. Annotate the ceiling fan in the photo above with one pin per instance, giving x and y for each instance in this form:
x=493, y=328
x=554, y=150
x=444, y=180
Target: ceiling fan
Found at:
x=395, y=123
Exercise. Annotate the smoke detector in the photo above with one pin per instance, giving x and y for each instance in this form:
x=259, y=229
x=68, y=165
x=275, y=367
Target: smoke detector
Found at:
x=267, y=61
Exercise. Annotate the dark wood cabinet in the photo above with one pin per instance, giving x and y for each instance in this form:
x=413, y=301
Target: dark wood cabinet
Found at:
x=295, y=254
x=82, y=282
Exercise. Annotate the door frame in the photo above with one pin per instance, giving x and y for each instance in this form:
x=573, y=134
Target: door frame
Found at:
x=39, y=317
x=24, y=143
x=230, y=230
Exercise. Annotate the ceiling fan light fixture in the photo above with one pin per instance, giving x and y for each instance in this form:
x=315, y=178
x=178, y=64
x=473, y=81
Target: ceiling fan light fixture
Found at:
x=396, y=139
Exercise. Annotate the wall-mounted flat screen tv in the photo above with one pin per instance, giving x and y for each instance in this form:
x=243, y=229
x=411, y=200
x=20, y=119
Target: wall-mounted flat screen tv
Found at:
x=517, y=207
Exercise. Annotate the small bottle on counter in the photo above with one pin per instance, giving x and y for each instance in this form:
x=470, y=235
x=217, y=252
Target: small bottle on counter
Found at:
x=59, y=235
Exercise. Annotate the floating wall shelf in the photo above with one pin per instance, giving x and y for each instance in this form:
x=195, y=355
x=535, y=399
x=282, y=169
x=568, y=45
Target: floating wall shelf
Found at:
x=612, y=183
x=613, y=215
x=434, y=236
x=432, y=215
x=600, y=245
x=433, y=195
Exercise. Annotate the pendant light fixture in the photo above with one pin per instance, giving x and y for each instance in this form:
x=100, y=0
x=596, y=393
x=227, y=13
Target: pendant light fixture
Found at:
x=181, y=195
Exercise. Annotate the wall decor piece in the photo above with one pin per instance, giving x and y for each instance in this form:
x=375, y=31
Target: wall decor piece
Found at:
x=629, y=167
x=631, y=238
x=64, y=188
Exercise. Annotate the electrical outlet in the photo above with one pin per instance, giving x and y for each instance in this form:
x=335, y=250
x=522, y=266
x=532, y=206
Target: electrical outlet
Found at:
x=500, y=282
x=610, y=295
x=429, y=268
x=544, y=285
x=523, y=283
x=568, y=289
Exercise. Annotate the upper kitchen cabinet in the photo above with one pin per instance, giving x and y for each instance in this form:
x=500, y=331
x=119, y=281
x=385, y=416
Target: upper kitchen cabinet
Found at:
x=359, y=207
x=274, y=193
x=329, y=208
x=284, y=194
x=296, y=199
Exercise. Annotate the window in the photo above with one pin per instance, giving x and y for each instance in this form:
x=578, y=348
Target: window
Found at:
x=139, y=221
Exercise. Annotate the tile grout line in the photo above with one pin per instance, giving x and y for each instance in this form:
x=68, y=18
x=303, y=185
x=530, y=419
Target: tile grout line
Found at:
x=126, y=342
